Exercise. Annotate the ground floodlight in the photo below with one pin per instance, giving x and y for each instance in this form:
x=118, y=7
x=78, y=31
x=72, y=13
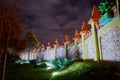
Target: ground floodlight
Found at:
x=55, y=73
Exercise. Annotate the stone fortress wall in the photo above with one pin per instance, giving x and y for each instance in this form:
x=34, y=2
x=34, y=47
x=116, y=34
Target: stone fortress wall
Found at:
x=102, y=44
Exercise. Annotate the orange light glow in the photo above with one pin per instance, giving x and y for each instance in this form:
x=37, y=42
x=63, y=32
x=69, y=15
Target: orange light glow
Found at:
x=95, y=15
x=56, y=43
x=84, y=30
x=67, y=41
x=77, y=36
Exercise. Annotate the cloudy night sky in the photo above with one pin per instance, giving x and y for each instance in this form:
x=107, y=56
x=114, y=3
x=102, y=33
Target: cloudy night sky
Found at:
x=51, y=19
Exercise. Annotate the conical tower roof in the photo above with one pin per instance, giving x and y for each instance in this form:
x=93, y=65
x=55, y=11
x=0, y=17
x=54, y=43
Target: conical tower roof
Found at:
x=67, y=41
x=95, y=15
x=42, y=47
x=56, y=43
x=84, y=29
x=77, y=35
x=48, y=45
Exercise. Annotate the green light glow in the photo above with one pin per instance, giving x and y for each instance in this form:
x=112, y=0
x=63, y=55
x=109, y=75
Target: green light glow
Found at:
x=55, y=73
x=49, y=68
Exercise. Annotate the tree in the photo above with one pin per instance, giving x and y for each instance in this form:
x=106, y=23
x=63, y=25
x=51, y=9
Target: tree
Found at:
x=22, y=44
x=32, y=42
x=10, y=27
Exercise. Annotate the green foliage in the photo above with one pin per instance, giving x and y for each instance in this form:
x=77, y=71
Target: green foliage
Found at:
x=105, y=6
x=40, y=65
x=32, y=41
x=61, y=62
x=26, y=72
x=75, y=71
x=85, y=71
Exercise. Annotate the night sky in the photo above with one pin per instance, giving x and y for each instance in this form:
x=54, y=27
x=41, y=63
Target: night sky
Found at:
x=51, y=19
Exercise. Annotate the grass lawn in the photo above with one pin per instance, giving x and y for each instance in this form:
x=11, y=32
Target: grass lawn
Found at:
x=85, y=71
x=74, y=71
x=27, y=72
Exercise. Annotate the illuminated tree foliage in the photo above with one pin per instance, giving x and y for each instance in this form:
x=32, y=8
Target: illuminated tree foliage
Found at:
x=29, y=42
x=32, y=41
x=106, y=5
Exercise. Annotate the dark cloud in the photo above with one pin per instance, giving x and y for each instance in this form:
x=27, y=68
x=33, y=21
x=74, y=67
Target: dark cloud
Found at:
x=51, y=19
